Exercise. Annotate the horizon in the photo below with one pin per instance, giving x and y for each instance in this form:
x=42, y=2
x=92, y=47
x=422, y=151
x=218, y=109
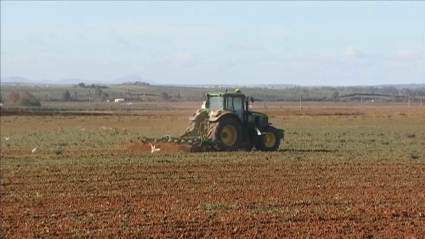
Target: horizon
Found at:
x=190, y=43
x=25, y=81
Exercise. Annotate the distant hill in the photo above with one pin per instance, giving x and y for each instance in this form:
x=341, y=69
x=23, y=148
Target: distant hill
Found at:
x=15, y=79
x=67, y=81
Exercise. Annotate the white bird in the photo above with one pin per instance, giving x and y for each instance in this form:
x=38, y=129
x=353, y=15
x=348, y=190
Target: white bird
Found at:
x=7, y=138
x=153, y=149
x=34, y=150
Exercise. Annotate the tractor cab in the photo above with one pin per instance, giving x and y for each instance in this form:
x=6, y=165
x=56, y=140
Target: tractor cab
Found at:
x=218, y=103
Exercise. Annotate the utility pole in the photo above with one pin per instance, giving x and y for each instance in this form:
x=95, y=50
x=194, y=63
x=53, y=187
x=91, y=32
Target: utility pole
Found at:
x=422, y=99
x=408, y=102
x=361, y=102
x=89, y=94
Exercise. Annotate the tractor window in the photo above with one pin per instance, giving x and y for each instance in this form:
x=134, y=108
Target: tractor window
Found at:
x=216, y=103
x=234, y=104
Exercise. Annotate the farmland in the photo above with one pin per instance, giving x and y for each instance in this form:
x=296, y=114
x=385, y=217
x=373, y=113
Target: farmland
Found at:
x=341, y=171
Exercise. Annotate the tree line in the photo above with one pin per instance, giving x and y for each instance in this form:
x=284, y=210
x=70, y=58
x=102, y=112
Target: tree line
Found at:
x=93, y=93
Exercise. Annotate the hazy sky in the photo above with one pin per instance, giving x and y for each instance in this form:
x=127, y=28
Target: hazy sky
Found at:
x=306, y=43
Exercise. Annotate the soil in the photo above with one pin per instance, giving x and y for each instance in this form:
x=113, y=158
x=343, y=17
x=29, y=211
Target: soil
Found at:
x=340, y=174
x=164, y=147
x=223, y=199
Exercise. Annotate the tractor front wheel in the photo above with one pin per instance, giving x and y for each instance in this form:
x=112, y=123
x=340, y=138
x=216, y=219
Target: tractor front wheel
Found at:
x=228, y=132
x=269, y=140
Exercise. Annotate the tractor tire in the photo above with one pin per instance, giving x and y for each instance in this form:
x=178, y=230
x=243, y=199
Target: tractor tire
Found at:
x=269, y=141
x=228, y=132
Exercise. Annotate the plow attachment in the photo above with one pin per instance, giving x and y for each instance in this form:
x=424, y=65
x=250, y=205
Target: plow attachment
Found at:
x=194, y=143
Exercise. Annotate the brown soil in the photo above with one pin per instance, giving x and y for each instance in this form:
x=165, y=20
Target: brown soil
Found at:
x=216, y=199
x=340, y=174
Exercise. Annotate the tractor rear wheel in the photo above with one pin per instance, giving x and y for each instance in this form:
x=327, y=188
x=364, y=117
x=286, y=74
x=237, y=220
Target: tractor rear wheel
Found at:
x=228, y=132
x=269, y=141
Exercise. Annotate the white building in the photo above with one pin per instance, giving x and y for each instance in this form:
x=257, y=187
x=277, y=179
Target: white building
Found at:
x=119, y=100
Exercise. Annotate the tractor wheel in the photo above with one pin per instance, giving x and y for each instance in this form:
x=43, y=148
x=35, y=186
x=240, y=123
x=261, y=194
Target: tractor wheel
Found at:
x=228, y=132
x=269, y=141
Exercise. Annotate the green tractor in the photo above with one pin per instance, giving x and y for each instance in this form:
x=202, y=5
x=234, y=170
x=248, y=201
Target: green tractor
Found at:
x=226, y=118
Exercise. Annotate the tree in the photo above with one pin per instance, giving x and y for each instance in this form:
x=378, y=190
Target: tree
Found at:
x=66, y=96
x=390, y=90
x=164, y=96
x=98, y=92
x=104, y=96
x=202, y=96
x=306, y=94
x=29, y=102
x=13, y=97
x=128, y=96
x=1, y=98
x=82, y=85
x=28, y=99
x=25, y=94
x=335, y=95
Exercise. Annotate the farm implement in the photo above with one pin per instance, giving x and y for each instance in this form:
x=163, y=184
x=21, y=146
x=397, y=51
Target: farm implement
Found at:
x=225, y=122
x=195, y=143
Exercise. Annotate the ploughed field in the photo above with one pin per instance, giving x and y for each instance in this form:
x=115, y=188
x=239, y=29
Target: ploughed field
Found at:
x=354, y=173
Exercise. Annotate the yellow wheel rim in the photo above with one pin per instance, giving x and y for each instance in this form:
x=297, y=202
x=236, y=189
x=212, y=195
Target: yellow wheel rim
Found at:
x=229, y=135
x=269, y=140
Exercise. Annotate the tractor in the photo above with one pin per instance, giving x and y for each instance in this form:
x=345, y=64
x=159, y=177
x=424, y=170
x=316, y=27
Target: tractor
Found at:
x=227, y=119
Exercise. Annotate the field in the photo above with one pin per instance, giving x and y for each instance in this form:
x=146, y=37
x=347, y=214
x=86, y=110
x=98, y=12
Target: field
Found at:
x=342, y=172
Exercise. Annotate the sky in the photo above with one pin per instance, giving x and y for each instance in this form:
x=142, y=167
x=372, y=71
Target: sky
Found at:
x=338, y=43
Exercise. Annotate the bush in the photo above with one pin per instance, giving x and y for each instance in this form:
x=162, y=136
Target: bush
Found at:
x=66, y=96
x=29, y=102
x=28, y=99
x=13, y=97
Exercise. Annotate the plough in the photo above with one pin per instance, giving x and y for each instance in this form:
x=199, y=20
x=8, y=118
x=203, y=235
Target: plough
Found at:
x=196, y=143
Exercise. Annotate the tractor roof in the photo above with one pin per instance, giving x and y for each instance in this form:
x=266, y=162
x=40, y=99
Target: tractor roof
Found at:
x=226, y=94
